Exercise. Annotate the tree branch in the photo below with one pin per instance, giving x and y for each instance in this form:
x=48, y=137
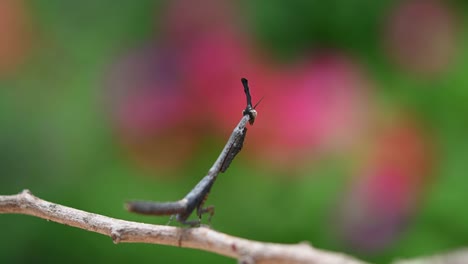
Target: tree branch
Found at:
x=458, y=256
x=246, y=251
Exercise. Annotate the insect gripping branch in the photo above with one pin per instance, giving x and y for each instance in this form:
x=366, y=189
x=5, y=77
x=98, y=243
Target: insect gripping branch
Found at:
x=195, y=199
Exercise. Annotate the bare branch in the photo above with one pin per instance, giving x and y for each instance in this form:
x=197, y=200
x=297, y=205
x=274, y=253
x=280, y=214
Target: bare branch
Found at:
x=199, y=238
x=459, y=256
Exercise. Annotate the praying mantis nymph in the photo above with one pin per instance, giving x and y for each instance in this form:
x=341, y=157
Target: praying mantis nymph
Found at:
x=195, y=199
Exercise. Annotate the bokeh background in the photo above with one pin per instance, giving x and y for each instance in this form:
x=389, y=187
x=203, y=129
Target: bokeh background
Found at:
x=360, y=145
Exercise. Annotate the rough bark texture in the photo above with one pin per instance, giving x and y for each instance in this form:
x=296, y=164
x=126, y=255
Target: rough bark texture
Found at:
x=246, y=251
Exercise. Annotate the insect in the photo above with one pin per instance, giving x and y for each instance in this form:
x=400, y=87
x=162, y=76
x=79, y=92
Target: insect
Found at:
x=196, y=198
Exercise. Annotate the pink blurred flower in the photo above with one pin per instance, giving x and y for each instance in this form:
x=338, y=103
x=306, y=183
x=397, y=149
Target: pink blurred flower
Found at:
x=149, y=105
x=193, y=79
x=421, y=36
x=314, y=107
x=215, y=53
x=380, y=202
x=171, y=91
x=377, y=209
x=214, y=66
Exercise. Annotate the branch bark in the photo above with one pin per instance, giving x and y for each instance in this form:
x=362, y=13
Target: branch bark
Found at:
x=246, y=251
x=459, y=256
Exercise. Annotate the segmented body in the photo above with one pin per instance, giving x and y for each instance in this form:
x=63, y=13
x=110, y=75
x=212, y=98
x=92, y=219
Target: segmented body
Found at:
x=234, y=150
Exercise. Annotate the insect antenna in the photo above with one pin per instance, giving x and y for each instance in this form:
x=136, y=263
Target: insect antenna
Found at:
x=255, y=106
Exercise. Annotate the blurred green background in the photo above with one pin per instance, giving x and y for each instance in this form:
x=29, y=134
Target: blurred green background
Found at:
x=64, y=135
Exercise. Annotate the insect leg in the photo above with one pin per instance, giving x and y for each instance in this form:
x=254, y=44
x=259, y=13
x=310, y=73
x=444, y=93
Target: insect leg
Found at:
x=170, y=220
x=191, y=223
x=208, y=209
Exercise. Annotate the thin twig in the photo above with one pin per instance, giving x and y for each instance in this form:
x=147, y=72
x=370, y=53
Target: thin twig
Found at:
x=458, y=256
x=199, y=238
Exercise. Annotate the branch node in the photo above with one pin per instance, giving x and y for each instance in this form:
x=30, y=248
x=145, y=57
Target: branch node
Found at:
x=305, y=244
x=26, y=192
x=182, y=235
x=116, y=236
